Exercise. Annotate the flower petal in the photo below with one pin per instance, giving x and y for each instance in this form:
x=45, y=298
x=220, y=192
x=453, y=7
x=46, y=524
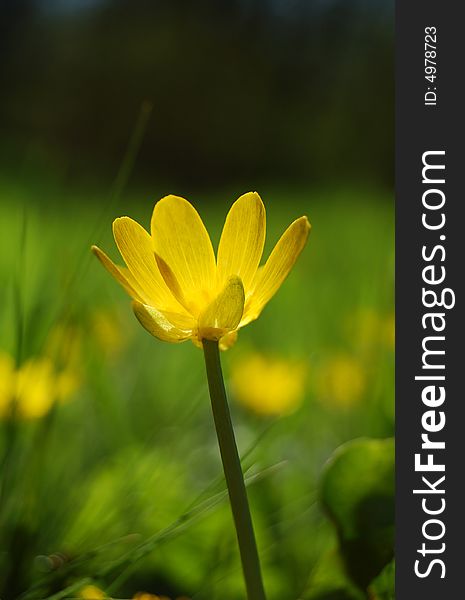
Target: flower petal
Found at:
x=228, y=340
x=281, y=260
x=242, y=240
x=158, y=325
x=135, y=246
x=224, y=313
x=121, y=274
x=184, y=252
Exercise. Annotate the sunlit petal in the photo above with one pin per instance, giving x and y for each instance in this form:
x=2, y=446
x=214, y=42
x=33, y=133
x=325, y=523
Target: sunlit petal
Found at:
x=179, y=290
x=277, y=267
x=135, y=246
x=157, y=324
x=121, y=274
x=184, y=251
x=224, y=313
x=228, y=340
x=242, y=240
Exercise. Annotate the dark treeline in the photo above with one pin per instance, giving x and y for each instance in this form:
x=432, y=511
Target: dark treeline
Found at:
x=297, y=90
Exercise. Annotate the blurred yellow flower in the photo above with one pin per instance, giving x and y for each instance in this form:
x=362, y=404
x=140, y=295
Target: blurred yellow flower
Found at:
x=180, y=291
x=269, y=386
x=30, y=391
x=107, y=331
x=64, y=345
x=66, y=383
x=367, y=332
x=341, y=381
x=147, y=596
x=370, y=329
x=34, y=391
x=92, y=592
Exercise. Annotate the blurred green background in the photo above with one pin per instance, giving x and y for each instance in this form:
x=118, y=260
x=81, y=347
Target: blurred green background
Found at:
x=110, y=471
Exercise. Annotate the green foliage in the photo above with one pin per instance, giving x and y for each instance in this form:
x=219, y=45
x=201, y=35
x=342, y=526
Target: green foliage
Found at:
x=357, y=490
x=120, y=485
x=383, y=587
x=329, y=581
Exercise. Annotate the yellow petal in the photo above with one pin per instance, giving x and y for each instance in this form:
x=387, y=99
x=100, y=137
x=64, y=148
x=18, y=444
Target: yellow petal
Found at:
x=224, y=313
x=135, y=246
x=121, y=274
x=157, y=324
x=241, y=244
x=184, y=252
x=270, y=277
x=228, y=340
x=182, y=321
x=175, y=287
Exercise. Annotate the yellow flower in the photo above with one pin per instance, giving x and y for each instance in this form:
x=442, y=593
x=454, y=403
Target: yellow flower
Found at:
x=92, y=592
x=107, y=331
x=35, y=393
x=180, y=291
x=370, y=330
x=269, y=386
x=341, y=381
x=64, y=345
x=147, y=596
x=66, y=383
x=30, y=391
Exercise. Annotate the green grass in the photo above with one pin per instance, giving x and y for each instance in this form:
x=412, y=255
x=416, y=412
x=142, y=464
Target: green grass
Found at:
x=124, y=479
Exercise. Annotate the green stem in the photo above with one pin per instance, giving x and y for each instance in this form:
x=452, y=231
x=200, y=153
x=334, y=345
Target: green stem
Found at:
x=233, y=473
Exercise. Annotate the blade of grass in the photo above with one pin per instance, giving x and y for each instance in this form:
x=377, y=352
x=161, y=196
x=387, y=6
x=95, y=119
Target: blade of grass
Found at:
x=64, y=309
x=181, y=524
x=10, y=429
x=75, y=587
